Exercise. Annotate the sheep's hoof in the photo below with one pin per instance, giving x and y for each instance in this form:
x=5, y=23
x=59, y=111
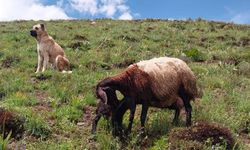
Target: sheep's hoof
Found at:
x=141, y=137
x=175, y=122
x=141, y=133
x=188, y=124
x=127, y=132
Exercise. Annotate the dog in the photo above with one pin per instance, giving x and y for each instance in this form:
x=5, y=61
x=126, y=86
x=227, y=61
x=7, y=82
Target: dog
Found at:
x=49, y=52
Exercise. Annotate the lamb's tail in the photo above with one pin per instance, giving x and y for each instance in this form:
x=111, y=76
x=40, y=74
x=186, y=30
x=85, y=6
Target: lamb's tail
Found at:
x=62, y=64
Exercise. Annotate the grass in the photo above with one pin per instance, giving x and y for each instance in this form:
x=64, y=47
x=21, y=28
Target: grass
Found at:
x=53, y=103
x=4, y=141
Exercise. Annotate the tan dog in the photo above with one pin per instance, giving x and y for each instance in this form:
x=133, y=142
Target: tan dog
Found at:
x=48, y=50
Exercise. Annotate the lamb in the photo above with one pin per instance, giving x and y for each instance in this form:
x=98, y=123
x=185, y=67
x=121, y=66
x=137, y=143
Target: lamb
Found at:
x=105, y=110
x=159, y=82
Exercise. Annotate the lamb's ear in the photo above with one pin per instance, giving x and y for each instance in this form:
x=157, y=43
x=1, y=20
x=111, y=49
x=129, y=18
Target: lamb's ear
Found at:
x=42, y=26
x=102, y=94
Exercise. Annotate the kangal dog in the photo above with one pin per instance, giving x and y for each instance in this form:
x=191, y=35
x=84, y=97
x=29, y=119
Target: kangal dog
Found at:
x=49, y=52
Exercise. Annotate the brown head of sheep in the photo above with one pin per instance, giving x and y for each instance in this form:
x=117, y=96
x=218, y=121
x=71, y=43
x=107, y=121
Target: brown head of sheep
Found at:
x=160, y=82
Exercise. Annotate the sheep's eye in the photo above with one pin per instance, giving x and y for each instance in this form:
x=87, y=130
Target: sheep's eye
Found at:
x=36, y=28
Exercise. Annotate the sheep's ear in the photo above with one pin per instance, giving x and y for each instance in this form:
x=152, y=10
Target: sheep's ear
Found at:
x=102, y=94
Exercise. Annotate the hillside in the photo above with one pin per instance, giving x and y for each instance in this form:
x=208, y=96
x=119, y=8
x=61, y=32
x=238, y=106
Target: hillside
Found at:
x=58, y=108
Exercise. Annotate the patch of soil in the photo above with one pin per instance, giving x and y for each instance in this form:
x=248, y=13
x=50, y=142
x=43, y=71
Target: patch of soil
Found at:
x=202, y=132
x=8, y=61
x=2, y=95
x=73, y=66
x=149, y=29
x=220, y=38
x=219, y=93
x=128, y=38
x=246, y=139
x=42, y=77
x=43, y=104
x=41, y=95
x=80, y=42
x=81, y=38
x=244, y=41
x=89, y=112
x=92, y=65
x=125, y=63
x=9, y=121
x=106, y=66
x=76, y=45
x=232, y=61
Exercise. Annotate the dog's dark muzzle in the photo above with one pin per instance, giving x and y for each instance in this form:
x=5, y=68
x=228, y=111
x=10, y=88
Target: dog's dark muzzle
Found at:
x=33, y=33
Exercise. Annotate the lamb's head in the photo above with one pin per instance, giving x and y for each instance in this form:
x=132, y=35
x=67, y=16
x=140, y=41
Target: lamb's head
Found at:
x=107, y=100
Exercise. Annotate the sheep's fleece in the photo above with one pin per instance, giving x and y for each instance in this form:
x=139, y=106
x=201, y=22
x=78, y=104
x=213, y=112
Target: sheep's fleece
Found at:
x=166, y=73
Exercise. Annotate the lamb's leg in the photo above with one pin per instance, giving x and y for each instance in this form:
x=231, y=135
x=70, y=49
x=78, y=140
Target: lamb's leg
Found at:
x=94, y=123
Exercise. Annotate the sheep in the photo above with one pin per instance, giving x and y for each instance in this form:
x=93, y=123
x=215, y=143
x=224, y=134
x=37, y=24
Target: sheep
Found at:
x=163, y=82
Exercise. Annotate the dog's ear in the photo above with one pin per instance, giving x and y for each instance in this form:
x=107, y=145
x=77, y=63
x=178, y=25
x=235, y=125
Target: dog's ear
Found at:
x=42, y=26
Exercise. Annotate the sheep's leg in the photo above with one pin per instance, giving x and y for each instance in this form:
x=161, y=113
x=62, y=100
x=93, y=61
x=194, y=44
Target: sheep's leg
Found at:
x=132, y=106
x=94, y=123
x=117, y=118
x=177, y=106
x=144, y=112
x=188, y=108
x=176, y=116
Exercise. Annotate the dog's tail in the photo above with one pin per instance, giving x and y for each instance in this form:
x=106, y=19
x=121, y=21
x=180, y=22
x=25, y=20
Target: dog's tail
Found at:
x=62, y=64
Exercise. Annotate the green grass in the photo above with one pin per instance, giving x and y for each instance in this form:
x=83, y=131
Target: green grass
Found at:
x=53, y=103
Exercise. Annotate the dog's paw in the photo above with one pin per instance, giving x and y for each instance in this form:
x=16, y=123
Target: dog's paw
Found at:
x=69, y=72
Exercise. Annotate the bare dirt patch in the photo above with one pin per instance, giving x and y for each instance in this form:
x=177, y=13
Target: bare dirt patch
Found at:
x=246, y=139
x=125, y=63
x=86, y=120
x=10, y=121
x=8, y=61
x=202, y=132
x=43, y=105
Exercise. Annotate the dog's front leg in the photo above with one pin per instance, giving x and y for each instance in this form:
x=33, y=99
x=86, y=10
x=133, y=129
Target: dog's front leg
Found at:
x=45, y=61
x=39, y=63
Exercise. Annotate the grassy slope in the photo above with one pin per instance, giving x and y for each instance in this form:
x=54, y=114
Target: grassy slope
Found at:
x=54, y=106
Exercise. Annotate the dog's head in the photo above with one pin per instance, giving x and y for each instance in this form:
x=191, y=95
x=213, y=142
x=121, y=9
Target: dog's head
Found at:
x=37, y=30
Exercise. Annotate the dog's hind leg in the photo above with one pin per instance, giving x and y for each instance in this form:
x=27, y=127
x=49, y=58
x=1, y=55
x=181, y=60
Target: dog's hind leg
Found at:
x=62, y=63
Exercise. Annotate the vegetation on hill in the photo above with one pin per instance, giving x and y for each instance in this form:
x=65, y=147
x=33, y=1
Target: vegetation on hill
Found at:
x=58, y=108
